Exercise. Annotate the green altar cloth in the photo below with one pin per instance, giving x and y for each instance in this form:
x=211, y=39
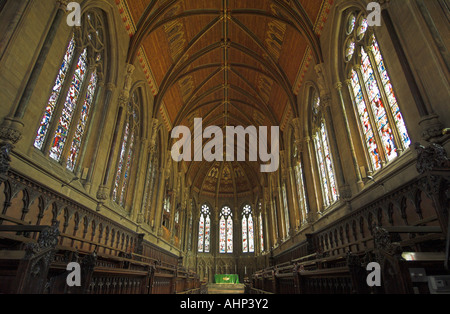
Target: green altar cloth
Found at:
x=226, y=278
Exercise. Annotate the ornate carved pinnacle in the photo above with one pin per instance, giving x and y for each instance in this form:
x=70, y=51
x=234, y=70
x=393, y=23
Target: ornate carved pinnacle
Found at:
x=125, y=93
x=431, y=158
x=338, y=86
x=62, y=4
x=321, y=82
x=384, y=4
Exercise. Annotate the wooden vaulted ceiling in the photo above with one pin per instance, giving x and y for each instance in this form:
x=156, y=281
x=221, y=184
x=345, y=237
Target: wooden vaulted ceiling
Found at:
x=229, y=62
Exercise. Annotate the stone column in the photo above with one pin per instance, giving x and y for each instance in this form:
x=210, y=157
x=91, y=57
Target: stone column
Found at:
x=106, y=101
x=103, y=189
x=48, y=42
x=325, y=100
x=12, y=127
x=430, y=123
x=298, y=146
x=138, y=190
x=294, y=193
x=314, y=174
x=360, y=182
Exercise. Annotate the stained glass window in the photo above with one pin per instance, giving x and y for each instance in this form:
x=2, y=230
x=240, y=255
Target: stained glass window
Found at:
x=316, y=103
x=248, y=240
x=226, y=231
x=378, y=107
x=301, y=192
x=125, y=161
x=350, y=49
x=121, y=161
x=189, y=241
x=204, y=230
x=362, y=28
x=55, y=95
x=323, y=155
x=66, y=115
x=325, y=163
x=286, y=209
x=382, y=124
x=70, y=105
x=82, y=123
x=167, y=205
x=389, y=90
x=150, y=181
x=351, y=23
x=369, y=136
x=261, y=232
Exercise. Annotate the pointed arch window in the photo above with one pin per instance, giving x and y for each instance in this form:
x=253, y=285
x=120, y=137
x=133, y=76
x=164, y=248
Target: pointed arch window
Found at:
x=167, y=210
x=261, y=230
x=127, y=150
x=204, y=230
x=248, y=236
x=189, y=239
x=150, y=181
x=62, y=129
x=323, y=154
x=226, y=230
x=381, y=122
x=301, y=191
x=285, y=209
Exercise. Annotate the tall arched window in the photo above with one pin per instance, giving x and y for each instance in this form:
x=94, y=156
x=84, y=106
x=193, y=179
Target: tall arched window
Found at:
x=300, y=184
x=190, y=225
x=63, y=125
x=380, y=120
x=150, y=181
x=248, y=236
x=204, y=230
x=167, y=210
x=127, y=149
x=261, y=231
x=323, y=154
x=226, y=230
x=285, y=209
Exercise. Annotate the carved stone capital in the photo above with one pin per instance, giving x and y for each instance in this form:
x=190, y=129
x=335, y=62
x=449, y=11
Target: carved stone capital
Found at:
x=431, y=127
x=140, y=218
x=346, y=192
x=325, y=100
x=110, y=86
x=11, y=130
x=5, y=160
x=102, y=193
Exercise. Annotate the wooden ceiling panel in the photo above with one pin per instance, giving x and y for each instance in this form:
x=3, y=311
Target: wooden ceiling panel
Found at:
x=263, y=51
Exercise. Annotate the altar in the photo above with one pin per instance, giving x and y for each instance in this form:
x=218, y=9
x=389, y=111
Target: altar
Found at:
x=226, y=278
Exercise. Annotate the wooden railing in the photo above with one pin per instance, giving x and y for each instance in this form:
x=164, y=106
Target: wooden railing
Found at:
x=42, y=232
x=306, y=275
x=40, y=266
x=412, y=219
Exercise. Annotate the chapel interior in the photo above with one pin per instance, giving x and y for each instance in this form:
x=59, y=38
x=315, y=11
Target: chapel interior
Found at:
x=358, y=92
